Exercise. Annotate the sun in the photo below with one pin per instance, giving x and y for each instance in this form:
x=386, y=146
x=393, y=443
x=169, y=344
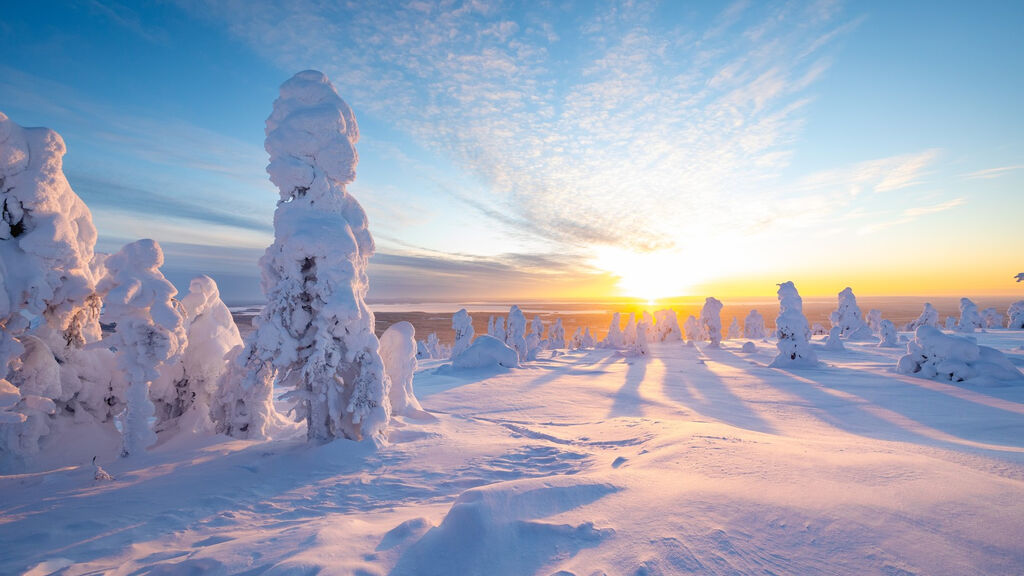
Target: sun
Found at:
x=648, y=276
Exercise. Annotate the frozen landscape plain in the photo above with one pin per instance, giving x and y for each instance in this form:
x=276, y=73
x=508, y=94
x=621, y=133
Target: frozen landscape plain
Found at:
x=690, y=460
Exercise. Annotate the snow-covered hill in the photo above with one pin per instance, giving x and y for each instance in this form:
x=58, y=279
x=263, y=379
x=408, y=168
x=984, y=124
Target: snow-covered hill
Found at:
x=691, y=460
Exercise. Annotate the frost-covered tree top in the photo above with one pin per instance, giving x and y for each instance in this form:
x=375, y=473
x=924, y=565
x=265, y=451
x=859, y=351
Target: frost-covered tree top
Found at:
x=929, y=317
x=970, y=318
x=46, y=240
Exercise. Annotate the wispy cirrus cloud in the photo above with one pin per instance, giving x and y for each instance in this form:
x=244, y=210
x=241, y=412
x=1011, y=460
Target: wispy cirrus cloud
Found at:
x=612, y=130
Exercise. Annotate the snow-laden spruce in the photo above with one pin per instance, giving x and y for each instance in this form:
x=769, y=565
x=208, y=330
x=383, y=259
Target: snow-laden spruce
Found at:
x=937, y=356
x=991, y=318
x=874, y=319
x=398, y=351
x=834, y=342
x=629, y=332
x=556, y=335
x=1015, y=315
x=47, y=288
x=515, y=334
x=734, y=329
x=186, y=388
x=316, y=330
x=588, y=341
x=692, y=328
x=847, y=317
x=462, y=324
x=535, y=339
x=753, y=326
x=711, y=321
x=667, y=326
x=929, y=317
x=615, y=337
x=149, y=330
x=887, y=334
x=791, y=329
x=970, y=318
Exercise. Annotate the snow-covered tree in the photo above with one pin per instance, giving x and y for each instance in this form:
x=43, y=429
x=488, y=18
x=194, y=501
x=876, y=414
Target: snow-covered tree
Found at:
x=47, y=285
x=848, y=317
x=149, y=330
x=991, y=318
x=499, y=328
x=490, y=325
x=588, y=341
x=1015, y=315
x=577, y=339
x=692, y=328
x=629, y=333
x=515, y=335
x=556, y=335
x=398, y=351
x=929, y=317
x=887, y=334
x=639, y=347
x=791, y=328
x=734, y=329
x=818, y=329
x=939, y=356
x=970, y=319
x=185, y=390
x=615, y=337
x=874, y=319
x=950, y=323
x=667, y=326
x=753, y=326
x=834, y=341
x=434, y=346
x=535, y=339
x=462, y=324
x=711, y=321
x=316, y=330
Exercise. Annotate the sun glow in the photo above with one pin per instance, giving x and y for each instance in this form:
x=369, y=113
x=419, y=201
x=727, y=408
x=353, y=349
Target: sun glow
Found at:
x=650, y=276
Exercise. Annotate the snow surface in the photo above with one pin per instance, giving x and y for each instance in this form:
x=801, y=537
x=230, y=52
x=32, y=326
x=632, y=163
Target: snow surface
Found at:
x=691, y=460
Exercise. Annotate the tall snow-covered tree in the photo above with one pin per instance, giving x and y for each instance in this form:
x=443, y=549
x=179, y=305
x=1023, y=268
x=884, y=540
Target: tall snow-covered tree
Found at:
x=556, y=335
x=398, y=350
x=149, y=330
x=515, y=336
x=1015, y=315
x=791, y=328
x=47, y=287
x=316, y=330
x=692, y=328
x=667, y=325
x=711, y=321
x=615, y=337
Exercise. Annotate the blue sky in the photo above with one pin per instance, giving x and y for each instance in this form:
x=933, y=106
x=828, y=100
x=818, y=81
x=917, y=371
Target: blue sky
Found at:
x=557, y=149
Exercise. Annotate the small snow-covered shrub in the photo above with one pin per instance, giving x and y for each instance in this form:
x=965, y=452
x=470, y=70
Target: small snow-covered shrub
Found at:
x=398, y=351
x=753, y=326
x=486, y=352
x=711, y=321
x=791, y=328
x=848, y=317
x=937, y=356
x=833, y=341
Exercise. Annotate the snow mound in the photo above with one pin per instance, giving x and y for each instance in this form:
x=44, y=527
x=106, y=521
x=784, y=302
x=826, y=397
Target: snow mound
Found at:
x=748, y=348
x=939, y=356
x=486, y=524
x=486, y=352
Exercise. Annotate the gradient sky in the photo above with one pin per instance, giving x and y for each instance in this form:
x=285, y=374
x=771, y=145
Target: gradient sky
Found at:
x=558, y=149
